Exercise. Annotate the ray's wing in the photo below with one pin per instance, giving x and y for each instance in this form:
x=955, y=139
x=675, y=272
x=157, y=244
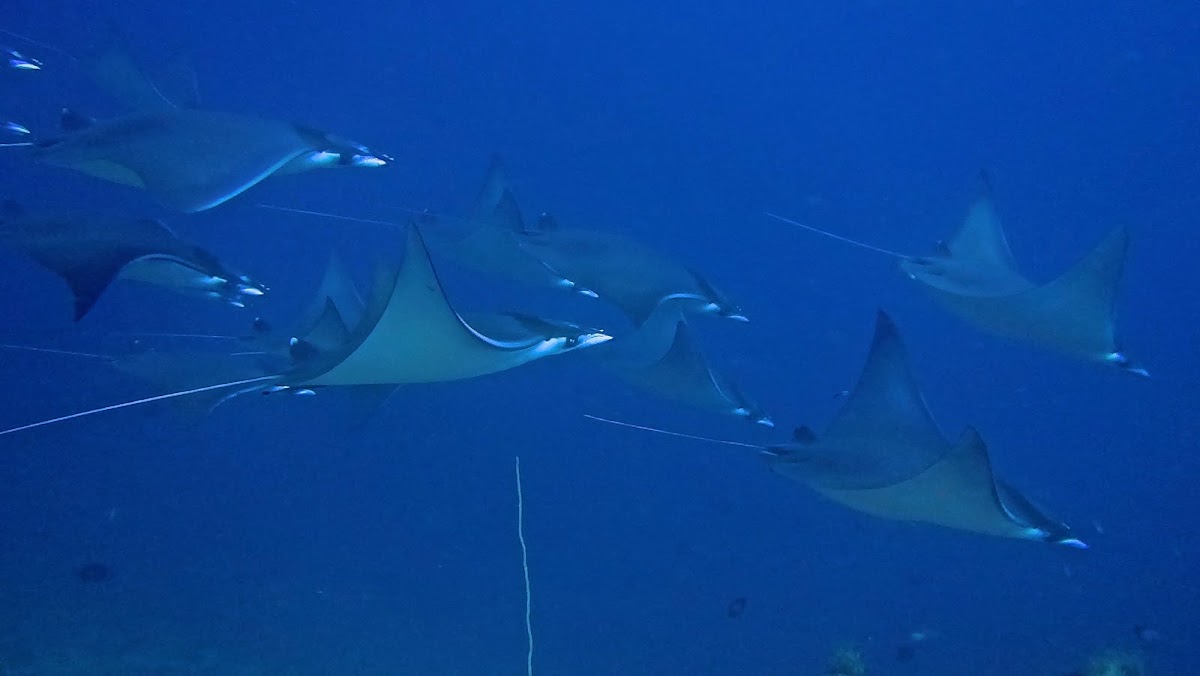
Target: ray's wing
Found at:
x=495, y=206
x=89, y=251
x=487, y=239
x=981, y=238
x=115, y=71
x=959, y=491
x=1082, y=300
x=883, y=434
x=679, y=371
x=336, y=288
x=329, y=332
x=496, y=251
x=886, y=403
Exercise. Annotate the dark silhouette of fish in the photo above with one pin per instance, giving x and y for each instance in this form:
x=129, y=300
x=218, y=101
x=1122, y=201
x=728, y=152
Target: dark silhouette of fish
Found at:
x=736, y=607
x=94, y=572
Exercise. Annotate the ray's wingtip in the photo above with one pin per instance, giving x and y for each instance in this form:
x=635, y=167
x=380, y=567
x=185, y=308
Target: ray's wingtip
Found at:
x=1073, y=543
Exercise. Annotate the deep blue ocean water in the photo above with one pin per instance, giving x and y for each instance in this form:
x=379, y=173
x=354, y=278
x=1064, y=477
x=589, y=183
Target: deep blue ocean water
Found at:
x=272, y=539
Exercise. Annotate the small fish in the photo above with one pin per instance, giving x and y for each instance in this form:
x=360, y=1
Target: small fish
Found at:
x=18, y=61
x=94, y=572
x=1147, y=636
x=736, y=607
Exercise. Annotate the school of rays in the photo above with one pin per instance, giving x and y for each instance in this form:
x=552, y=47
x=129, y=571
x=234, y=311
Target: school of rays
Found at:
x=882, y=454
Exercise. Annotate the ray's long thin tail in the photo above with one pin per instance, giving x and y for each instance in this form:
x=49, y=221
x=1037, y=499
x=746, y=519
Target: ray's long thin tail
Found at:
x=356, y=219
x=325, y=214
x=50, y=350
x=136, y=402
x=669, y=433
x=840, y=238
x=38, y=43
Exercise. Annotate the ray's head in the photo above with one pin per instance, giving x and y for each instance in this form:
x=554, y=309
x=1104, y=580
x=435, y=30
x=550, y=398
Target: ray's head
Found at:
x=755, y=415
x=717, y=302
x=726, y=310
x=334, y=151
x=572, y=337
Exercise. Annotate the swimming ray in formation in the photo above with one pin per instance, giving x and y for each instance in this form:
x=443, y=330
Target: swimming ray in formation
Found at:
x=624, y=272
x=189, y=159
x=409, y=334
x=884, y=455
x=975, y=276
x=91, y=249
x=663, y=357
x=192, y=160
x=487, y=240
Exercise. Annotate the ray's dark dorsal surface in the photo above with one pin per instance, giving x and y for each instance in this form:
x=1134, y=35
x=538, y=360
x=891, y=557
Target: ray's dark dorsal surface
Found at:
x=663, y=357
x=883, y=455
x=89, y=250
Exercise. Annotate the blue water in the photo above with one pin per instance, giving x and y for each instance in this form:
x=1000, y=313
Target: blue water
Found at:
x=272, y=539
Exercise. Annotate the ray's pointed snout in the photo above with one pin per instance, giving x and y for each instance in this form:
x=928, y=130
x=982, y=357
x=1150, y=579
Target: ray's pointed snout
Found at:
x=590, y=339
x=371, y=160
